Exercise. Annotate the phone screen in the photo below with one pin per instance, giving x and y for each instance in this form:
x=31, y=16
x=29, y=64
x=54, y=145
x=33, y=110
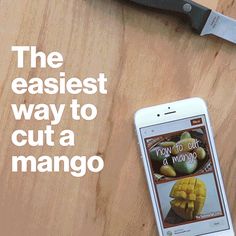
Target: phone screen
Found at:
x=181, y=161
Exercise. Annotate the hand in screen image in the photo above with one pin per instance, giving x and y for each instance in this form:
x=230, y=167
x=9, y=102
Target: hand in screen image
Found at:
x=179, y=154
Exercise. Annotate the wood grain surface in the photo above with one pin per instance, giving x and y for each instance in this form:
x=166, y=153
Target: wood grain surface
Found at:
x=150, y=57
x=209, y=3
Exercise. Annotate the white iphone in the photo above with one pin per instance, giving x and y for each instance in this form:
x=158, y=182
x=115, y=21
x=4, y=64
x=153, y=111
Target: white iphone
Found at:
x=182, y=169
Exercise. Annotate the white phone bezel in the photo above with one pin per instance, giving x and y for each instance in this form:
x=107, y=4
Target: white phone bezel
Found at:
x=181, y=109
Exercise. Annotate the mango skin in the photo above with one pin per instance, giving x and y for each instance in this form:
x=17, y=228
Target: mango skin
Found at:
x=185, y=144
x=168, y=171
x=186, y=166
x=185, y=135
x=160, y=157
x=201, y=153
x=167, y=144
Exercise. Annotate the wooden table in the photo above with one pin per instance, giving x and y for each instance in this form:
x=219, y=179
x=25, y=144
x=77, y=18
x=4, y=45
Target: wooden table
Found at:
x=149, y=57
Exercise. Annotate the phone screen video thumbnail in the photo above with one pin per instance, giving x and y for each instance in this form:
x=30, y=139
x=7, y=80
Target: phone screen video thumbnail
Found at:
x=179, y=154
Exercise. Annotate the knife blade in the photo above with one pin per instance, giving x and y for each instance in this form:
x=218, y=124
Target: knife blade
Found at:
x=203, y=20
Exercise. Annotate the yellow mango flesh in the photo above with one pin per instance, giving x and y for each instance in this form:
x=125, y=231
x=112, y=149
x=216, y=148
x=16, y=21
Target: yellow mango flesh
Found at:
x=189, y=197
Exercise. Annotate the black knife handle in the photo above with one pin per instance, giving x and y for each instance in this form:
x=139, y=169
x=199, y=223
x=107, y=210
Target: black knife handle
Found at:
x=197, y=13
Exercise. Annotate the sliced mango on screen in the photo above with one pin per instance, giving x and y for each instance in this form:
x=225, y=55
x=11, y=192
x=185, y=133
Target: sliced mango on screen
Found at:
x=189, y=197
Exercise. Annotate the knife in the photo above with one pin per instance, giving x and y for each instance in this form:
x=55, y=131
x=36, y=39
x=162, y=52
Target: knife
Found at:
x=204, y=20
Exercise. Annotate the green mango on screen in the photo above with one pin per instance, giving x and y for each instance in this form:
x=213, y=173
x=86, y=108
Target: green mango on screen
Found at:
x=201, y=153
x=168, y=170
x=162, y=151
x=185, y=166
x=167, y=144
x=185, y=135
x=156, y=155
x=186, y=145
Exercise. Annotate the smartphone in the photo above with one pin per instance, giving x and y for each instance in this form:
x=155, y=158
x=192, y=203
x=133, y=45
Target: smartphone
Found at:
x=182, y=169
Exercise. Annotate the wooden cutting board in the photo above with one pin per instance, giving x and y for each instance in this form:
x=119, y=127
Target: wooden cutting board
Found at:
x=208, y=3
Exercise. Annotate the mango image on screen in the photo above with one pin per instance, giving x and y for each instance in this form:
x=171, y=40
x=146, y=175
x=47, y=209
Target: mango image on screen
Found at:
x=189, y=197
x=179, y=155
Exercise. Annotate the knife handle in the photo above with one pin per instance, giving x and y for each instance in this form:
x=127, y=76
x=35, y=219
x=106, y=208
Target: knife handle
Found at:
x=197, y=13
